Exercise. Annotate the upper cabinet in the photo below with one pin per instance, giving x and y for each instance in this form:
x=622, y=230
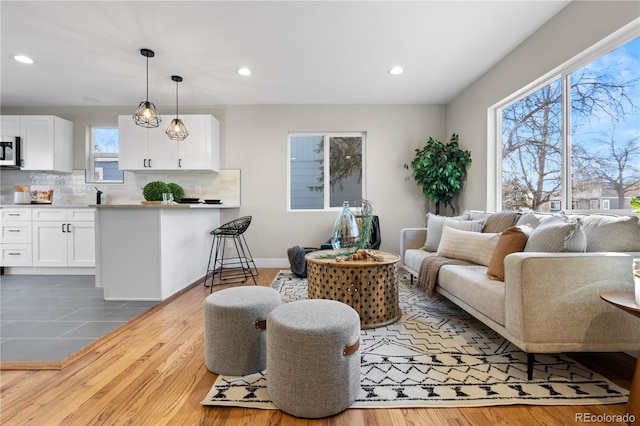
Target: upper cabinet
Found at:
x=46, y=142
x=151, y=149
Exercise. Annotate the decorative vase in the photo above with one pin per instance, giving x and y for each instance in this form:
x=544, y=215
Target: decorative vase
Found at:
x=346, y=233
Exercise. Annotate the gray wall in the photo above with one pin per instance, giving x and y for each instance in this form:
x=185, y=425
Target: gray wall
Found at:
x=575, y=28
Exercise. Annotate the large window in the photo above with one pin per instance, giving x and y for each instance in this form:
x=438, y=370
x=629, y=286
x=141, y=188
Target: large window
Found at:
x=325, y=169
x=103, y=158
x=574, y=141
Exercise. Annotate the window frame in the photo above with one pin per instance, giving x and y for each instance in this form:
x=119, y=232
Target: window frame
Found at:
x=562, y=72
x=91, y=170
x=326, y=164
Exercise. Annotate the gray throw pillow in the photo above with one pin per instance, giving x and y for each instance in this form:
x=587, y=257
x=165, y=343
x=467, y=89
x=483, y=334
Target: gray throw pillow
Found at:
x=434, y=230
x=551, y=235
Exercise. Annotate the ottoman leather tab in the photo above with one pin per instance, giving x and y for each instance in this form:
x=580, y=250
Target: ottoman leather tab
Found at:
x=261, y=324
x=351, y=349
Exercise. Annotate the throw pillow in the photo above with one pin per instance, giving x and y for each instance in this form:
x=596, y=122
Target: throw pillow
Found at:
x=434, y=230
x=578, y=241
x=512, y=240
x=476, y=247
x=611, y=233
x=551, y=235
x=498, y=222
x=464, y=225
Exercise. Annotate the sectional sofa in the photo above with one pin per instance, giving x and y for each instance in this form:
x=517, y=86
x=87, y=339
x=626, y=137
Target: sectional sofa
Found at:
x=536, y=279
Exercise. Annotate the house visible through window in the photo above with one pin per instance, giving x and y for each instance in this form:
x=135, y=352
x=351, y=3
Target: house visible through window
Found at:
x=574, y=141
x=103, y=158
x=325, y=169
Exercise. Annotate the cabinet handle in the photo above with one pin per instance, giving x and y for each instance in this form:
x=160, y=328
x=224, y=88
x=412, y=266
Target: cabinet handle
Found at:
x=13, y=230
x=13, y=254
x=180, y=162
x=144, y=162
x=149, y=162
x=63, y=227
x=69, y=227
x=13, y=214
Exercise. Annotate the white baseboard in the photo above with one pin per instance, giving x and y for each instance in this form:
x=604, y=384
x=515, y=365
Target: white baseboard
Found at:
x=25, y=270
x=272, y=263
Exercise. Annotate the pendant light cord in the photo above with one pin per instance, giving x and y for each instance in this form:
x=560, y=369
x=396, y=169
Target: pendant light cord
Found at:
x=177, y=99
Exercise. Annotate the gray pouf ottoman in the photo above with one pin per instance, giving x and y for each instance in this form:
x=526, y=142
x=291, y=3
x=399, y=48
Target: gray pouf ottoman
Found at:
x=234, y=344
x=313, y=357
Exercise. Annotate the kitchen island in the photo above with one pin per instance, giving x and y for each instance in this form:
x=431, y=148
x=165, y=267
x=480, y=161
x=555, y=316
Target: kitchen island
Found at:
x=152, y=251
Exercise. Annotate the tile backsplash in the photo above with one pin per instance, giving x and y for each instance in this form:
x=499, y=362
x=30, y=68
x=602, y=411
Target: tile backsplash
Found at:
x=71, y=189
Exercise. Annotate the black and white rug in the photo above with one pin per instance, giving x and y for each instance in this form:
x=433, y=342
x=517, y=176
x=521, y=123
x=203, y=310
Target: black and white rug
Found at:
x=437, y=355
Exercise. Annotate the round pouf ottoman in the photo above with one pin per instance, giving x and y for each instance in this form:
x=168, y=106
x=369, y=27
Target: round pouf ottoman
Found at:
x=234, y=335
x=313, y=357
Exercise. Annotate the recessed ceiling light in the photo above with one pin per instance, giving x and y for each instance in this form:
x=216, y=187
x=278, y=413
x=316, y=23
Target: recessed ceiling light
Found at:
x=396, y=70
x=23, y=58
x=244, y=71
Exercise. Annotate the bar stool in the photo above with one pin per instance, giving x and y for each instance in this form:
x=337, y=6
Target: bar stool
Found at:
x=240, y=265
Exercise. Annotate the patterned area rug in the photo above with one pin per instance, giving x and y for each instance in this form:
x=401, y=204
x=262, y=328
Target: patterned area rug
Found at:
x=437, y=355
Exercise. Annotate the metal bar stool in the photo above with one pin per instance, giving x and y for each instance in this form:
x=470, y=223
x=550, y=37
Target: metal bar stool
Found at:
x=237, y=266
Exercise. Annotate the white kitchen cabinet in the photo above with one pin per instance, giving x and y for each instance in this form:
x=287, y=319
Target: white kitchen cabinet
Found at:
x=151, y=149
x=15, y=237
x=144, y=149
x=10, y=125
x=46, y=143
x=63, y=237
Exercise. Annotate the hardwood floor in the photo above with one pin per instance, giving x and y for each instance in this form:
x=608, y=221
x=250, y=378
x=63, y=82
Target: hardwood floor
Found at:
x=152, y=372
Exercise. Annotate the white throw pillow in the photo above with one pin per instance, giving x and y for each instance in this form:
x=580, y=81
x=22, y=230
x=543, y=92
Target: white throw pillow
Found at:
x=476, y=247
x=465, y=225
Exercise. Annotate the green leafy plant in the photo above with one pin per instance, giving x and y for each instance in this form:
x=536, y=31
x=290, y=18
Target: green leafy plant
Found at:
x=635, y=203
x=177, y=191
x=439, y=169
x=153, y=190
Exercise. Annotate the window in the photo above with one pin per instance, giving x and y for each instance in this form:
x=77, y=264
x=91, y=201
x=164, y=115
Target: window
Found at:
x=103, y=158
x=575, y=139
x=321, y=161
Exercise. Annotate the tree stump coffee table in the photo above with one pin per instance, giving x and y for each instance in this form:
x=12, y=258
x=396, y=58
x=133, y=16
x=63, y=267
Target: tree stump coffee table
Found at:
x=368, y=286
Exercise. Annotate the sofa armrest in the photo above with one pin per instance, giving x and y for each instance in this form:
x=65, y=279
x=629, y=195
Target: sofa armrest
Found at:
x=411, y=238
x=555, y=297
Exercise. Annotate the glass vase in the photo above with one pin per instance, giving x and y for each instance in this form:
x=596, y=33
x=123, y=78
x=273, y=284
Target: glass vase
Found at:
x=346, y=234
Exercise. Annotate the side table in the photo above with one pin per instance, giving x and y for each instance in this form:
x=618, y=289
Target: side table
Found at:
x=626, y=301
x=368, y=286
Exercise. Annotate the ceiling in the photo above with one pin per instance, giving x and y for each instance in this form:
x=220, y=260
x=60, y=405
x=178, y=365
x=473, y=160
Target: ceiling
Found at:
x=87, y=53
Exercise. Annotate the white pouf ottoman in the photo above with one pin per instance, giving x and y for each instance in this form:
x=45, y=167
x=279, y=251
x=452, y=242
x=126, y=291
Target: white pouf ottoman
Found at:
x=234, y=335
x=313, y=357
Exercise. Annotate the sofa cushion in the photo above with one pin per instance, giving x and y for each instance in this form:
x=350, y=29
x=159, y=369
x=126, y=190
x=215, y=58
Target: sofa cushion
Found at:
x=471, y=285
x=475, y=247
x=498, y=222
x=512, y=240
x=412, y=258
x=611, y=233
x=434, y=229
x=551, y=235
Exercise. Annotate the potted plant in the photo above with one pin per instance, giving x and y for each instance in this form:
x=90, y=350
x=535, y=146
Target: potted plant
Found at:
x=153, y=190
x=439, y=169
x=635, y=203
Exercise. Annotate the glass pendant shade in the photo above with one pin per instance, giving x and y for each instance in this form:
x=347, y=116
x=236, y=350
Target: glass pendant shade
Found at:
x=146, y=115
x=346, y=233
x=177, y=131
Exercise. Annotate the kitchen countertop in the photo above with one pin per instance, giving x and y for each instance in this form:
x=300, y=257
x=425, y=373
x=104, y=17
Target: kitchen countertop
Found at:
x=129, y=206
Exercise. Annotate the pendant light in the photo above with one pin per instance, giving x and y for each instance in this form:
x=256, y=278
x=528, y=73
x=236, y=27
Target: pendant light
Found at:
x=146, y=115
x=177, y=130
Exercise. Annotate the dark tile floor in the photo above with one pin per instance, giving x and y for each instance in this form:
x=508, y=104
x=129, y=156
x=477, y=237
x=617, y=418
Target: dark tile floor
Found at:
x=49, y=317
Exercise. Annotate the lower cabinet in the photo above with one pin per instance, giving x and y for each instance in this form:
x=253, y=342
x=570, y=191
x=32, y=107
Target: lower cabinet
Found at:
x=60, y=237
